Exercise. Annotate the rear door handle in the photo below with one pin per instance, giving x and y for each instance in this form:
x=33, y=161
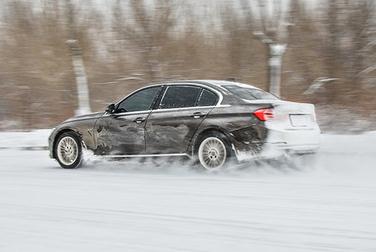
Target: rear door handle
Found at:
x=139, y=120
x=197, y=115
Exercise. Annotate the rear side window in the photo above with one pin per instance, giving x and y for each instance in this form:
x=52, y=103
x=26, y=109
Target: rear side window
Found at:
x=180, y=97
x=207, y=98
x=249, y=93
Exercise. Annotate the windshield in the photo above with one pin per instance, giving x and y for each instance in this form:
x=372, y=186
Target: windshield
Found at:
x=249, y=93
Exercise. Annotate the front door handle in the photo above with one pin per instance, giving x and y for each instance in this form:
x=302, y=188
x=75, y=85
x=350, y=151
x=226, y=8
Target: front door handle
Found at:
x=197, y=115
x=139, y=120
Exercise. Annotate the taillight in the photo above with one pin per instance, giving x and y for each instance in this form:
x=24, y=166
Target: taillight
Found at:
x=264, y=114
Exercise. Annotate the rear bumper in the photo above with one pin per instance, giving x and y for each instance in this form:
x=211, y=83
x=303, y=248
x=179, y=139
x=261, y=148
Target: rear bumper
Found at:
x=281, y=141
x=294, y=140
x=293, y=149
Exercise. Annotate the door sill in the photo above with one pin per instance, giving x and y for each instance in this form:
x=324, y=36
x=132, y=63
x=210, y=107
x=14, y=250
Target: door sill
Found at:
x=148, y=155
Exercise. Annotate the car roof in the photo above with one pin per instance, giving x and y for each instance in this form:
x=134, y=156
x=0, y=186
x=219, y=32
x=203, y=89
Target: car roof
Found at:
x=222, y=83
x=226, y=97
x=217, y=84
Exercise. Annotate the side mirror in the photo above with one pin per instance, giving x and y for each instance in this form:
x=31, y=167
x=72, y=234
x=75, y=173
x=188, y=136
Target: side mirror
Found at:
x=111, y=109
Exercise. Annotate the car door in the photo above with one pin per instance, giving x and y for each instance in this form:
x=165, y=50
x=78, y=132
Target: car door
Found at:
x=123, y=131
x=172, y=124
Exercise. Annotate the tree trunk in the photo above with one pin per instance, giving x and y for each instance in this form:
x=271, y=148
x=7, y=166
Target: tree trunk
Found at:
x=276, y=52
x=81, y=79
x=77, y=62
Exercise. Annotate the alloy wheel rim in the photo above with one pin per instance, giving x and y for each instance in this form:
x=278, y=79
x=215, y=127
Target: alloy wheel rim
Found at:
x=212, y=153
x=67, y=150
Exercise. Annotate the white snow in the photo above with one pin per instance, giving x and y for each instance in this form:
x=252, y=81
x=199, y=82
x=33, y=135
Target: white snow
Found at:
x=327, y=205
x=24, y=139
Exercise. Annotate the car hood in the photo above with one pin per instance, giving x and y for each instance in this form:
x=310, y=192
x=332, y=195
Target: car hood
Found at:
x=94, y=115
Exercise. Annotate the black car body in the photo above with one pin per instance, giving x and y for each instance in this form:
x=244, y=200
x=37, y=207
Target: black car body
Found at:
x=172, y=118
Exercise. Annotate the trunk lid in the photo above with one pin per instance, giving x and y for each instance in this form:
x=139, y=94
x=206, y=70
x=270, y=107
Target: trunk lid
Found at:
x=289, y=115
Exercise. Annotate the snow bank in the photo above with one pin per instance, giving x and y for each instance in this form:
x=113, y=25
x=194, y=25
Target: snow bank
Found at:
x=345, y=144
x=24, y=139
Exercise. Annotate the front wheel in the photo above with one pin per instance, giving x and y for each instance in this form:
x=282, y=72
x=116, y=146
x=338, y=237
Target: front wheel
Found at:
x=68, y=150
x=213, y=152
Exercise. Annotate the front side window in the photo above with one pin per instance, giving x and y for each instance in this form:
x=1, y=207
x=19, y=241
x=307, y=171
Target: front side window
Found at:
x=207, y=98
x=139, y=101
x=180, y=97
x=249, y=93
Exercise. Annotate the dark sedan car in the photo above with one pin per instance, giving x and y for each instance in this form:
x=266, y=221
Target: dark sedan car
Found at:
x=209, y=121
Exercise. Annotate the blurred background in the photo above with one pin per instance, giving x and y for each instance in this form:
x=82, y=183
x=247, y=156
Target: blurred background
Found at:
x=54, y=53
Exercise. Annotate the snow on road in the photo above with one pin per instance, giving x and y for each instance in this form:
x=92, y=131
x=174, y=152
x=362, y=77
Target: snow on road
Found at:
x=327, y=205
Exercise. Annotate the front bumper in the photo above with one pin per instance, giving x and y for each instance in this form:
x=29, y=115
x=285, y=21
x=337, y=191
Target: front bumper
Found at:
x=51, y=143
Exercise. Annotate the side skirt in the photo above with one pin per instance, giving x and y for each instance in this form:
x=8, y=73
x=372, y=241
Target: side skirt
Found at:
x=147, y=155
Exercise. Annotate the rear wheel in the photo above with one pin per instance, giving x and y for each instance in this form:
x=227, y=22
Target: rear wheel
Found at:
x=68, y=150
x=213, y=152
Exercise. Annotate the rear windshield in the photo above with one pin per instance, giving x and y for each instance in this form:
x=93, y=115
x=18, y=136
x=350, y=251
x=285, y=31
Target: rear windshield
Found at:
x=249, y=93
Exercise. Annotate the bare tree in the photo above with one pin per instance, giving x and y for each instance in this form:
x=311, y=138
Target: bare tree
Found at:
x=361, y=24
x=331, y=56
x=77, y=61
x=146, y=29
x=272, y=30
x=348, y=50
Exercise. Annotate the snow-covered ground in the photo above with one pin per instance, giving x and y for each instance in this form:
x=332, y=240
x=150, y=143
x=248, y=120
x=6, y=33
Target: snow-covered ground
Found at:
x=24, y=139
x=326, y=205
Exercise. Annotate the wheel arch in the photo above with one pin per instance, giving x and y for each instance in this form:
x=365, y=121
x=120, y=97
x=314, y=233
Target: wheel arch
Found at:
x=58, y=134
x=205, y=131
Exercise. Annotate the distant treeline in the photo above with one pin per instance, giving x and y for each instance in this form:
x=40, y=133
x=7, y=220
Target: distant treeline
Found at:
x=330, y=57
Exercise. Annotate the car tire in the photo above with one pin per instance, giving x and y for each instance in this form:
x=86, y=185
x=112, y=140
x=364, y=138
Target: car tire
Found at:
x=68, y=150
x=213, y=152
